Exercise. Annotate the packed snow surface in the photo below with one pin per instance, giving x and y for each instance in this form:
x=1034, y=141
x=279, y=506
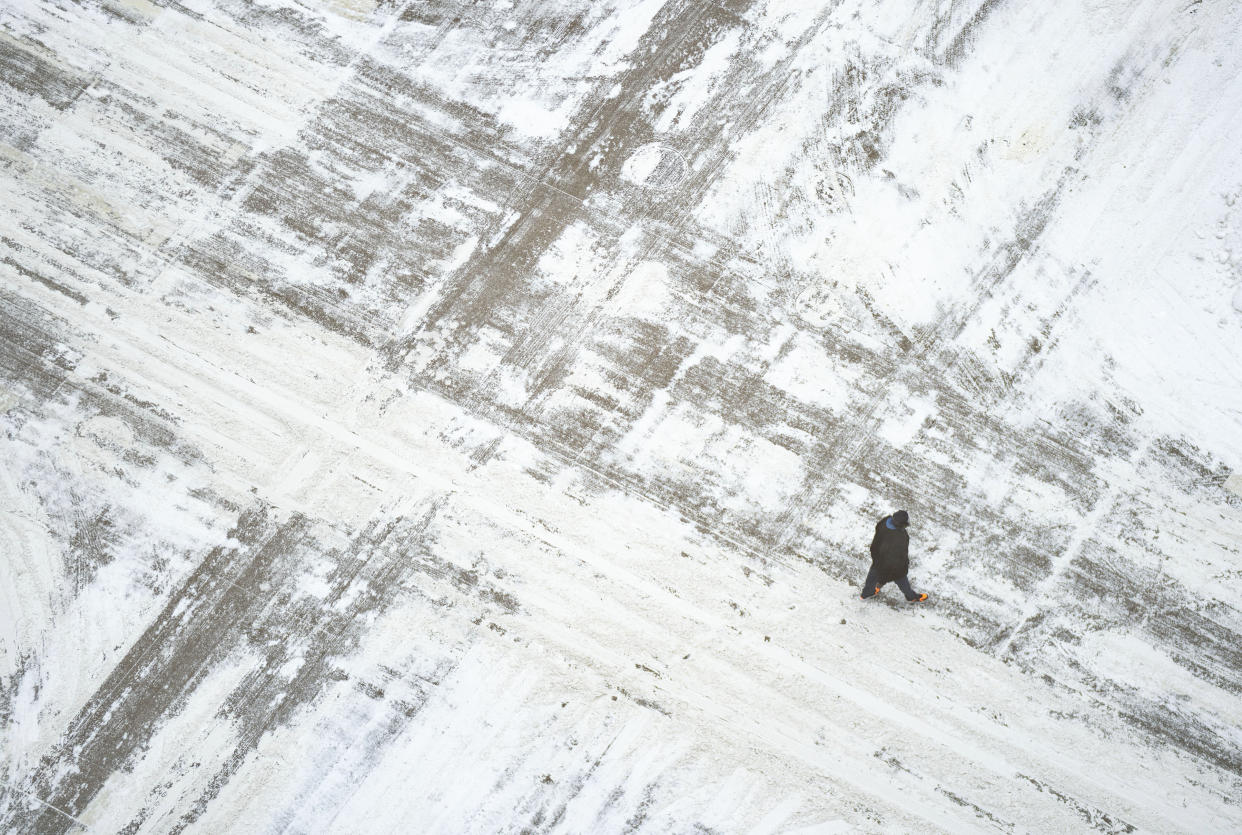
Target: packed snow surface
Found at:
x=446, y=417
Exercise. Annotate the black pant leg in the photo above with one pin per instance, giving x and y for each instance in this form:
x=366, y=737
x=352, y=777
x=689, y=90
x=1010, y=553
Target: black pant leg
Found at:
x=904, y=585
x=871, y=582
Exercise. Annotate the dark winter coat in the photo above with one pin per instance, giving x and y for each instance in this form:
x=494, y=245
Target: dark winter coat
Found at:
x=890, y=553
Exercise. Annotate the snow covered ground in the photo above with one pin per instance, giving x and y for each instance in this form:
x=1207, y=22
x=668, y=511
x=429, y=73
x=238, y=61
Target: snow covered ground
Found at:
x=439, y=416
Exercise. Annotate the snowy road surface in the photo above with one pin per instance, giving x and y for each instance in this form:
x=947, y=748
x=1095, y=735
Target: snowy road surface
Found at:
x=469, y=417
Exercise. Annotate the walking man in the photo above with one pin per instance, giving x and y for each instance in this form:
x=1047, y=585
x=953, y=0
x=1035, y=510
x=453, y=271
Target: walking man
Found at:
x=890, y=558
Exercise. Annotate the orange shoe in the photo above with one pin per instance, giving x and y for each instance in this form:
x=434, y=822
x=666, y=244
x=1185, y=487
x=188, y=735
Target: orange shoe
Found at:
x=920, y=598
x=874, y=592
